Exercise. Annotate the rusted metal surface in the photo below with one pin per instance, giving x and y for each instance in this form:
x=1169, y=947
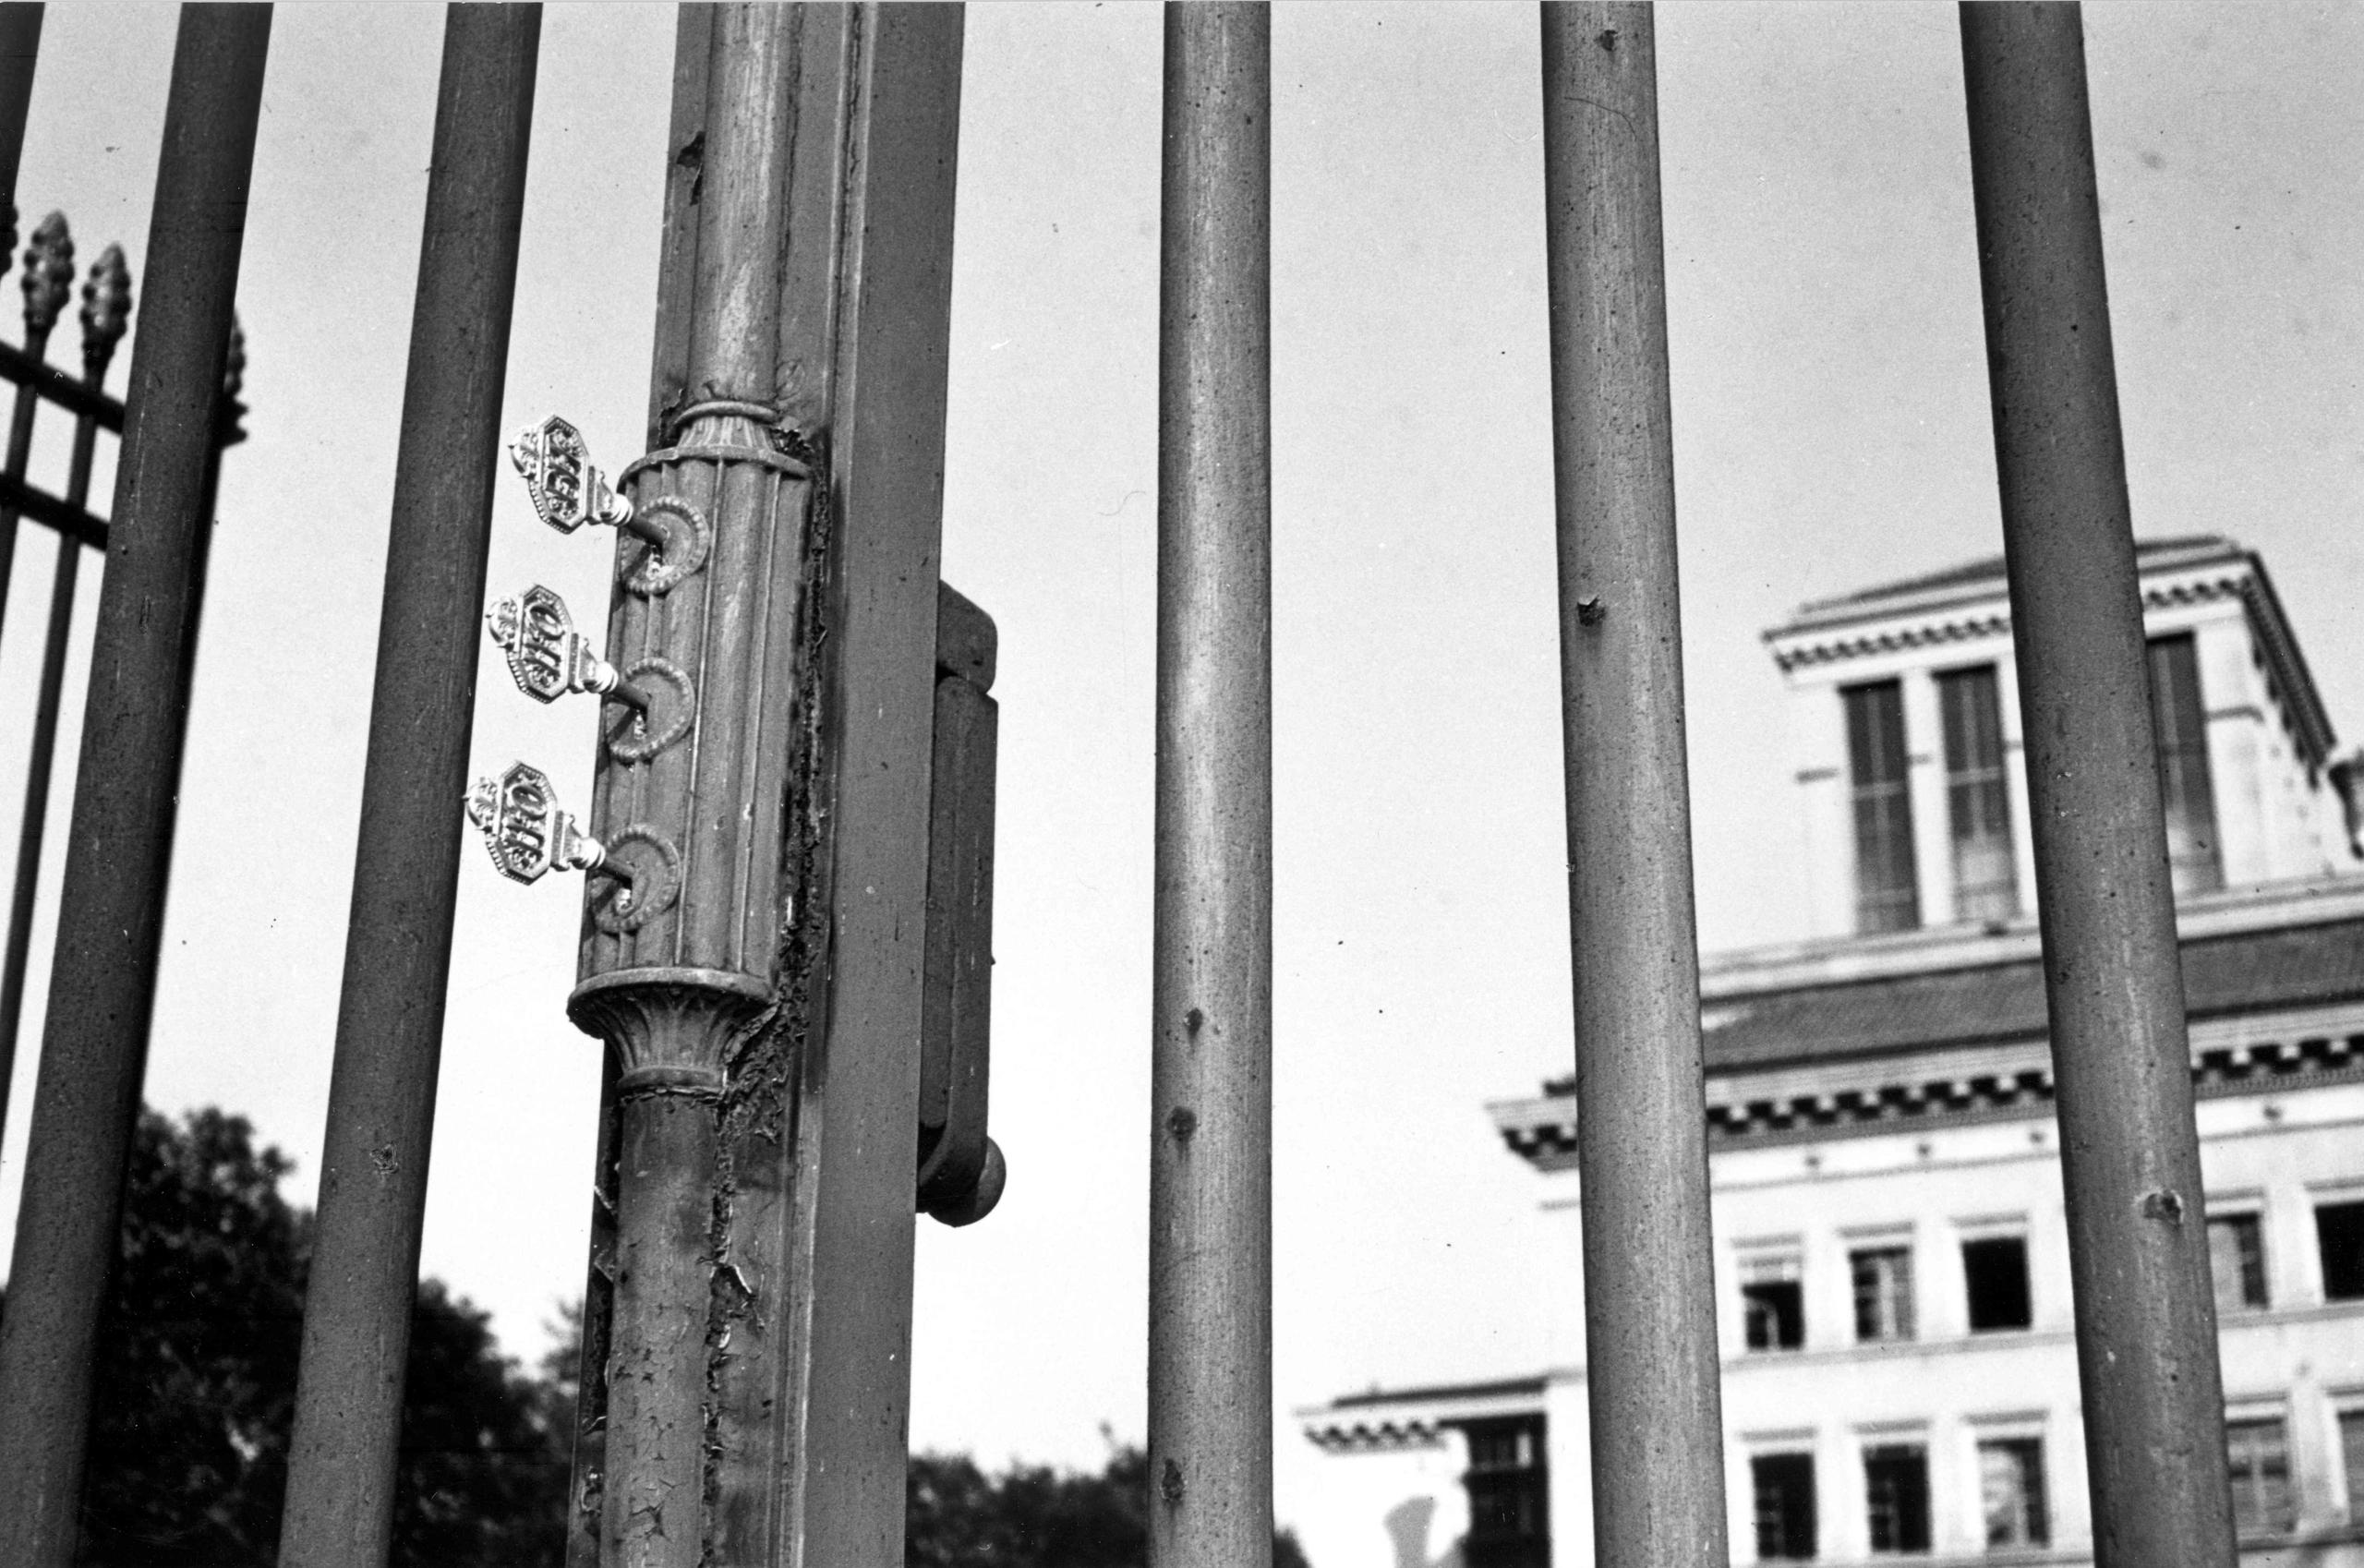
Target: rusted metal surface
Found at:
x=110, y=921
x=106, y=313
x=765, y=1086
x=1650, y=1361
x=673, y=993
x=398, y=943
x=1210, y=1097
x=865, y=331
x=2130, y=1153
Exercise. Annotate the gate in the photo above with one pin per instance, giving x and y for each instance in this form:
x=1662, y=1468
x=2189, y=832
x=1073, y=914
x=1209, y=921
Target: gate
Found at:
x=786, y=857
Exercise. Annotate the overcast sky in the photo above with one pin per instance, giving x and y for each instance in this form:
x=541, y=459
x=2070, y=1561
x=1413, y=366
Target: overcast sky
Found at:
x=1830, y=431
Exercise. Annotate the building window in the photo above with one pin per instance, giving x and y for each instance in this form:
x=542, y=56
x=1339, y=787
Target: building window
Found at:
x=1995, y=1269
x=2351, y=1450
x=1895, y=1492
x=2011, y=1488
x=1509, y=1495
x=2257, y=1454
x=1772, y=1300
x=1883, y=1277
x=2236, y=1259
x=2181, y=726
x=1888, y=894
x=1784, y=1486
x=2339, y=1232
x=1986, y=881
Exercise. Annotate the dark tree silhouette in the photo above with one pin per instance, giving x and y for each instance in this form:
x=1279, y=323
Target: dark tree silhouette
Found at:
x=196, y=1393
x=1032, y=1516
x=197, y=1383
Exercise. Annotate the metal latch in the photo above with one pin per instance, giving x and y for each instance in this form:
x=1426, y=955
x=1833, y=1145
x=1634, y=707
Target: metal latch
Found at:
x=960, y=1170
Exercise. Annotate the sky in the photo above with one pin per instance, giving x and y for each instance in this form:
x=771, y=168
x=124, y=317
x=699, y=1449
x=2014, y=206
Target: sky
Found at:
x=1830, y=428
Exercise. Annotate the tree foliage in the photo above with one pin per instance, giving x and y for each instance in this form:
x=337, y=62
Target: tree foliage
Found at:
x=196, y=1387
x=195, y=1398
x=1033, y=1516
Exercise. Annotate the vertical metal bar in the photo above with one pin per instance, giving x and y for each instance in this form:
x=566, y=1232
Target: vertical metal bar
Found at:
x=102, y=984
x=106, y=311
x=1650, y=1360
x=676, y=295
x=873, y=291
x=398, y=948
x=19, y=52
x=1211, y=1159
x=2129, y=1150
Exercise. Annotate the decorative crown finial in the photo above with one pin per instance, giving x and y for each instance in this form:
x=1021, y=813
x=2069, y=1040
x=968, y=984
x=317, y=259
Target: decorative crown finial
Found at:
x=106, y=308
x=48, y=274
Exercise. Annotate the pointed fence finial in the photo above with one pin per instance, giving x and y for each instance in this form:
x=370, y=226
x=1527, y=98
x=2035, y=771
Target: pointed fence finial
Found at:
x=106, y=310
x=49, y=275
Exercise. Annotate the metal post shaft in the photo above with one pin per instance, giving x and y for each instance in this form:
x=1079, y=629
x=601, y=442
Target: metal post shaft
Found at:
x=2129, y=1150
x=1650, y=1296
x=111, y=918
x=398, y=948
x=1211, y=1239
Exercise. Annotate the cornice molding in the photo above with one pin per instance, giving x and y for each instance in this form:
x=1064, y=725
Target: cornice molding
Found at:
x=1543, y=1131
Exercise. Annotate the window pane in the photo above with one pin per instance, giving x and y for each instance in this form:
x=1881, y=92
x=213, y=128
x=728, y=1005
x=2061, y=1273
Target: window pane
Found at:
x=1896, y=1490
x=1886, y=890
x=1883, y=1280
x=2257, y=1455
x=1774, y=1315
x=1509, y=1501
x=2351, y=1448
x=2010, y=1480
x=2339, y=1232
x=1977, y=798
x=2185, y=789
x=2236, y=1258
x=1995, y=1271
x=1785, y=1519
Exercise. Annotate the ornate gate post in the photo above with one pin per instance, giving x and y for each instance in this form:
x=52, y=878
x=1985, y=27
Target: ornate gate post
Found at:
x=756, y=969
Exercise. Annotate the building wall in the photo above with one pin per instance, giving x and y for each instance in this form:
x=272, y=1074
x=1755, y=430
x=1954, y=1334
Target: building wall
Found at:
x=2299, y=1357
x=1399, y=1506
x=2276, y=818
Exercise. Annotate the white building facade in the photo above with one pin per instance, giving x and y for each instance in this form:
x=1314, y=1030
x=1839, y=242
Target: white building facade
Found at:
x=1892, y=1255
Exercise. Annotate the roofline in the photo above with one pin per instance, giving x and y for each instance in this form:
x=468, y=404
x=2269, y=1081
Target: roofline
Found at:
x=1909, y=596
x=1746, y=973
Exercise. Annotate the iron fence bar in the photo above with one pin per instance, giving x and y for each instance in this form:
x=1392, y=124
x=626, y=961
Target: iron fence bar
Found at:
x=54, y=385
x=19, y=53
x=76, y=523
x=110, y=921
x=341, y=1465
x=1210, y=1097
x=2129, y=1150
x=676, y=294
x=106, y=312
x=1650, y=1359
